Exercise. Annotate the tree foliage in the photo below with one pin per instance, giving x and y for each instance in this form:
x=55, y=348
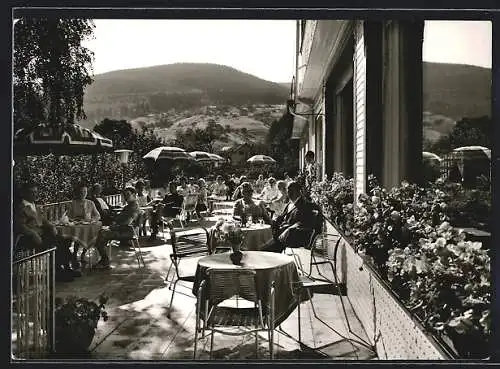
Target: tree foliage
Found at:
x=281, y=148
x=198, y=139
x=125, y=137
x=51, y=70
x=467, y=132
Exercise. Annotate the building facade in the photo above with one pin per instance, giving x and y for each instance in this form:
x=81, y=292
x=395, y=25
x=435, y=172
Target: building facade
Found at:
x=358, y=100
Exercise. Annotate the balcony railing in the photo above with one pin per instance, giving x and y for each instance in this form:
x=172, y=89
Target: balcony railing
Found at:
x=33, y=287
x=54, y=211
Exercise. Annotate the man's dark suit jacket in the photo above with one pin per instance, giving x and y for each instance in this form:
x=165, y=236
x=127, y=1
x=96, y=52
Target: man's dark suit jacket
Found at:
x=303, y=215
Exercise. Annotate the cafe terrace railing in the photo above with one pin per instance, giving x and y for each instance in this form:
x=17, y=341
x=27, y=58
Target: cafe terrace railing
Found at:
x=33, y=293
x=54, y=211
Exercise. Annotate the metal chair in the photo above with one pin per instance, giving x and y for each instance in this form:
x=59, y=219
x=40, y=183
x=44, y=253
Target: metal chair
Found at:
x=188, y=246
x=320, y=283
x=222, y=285
x=134, y=238
x=187, y=209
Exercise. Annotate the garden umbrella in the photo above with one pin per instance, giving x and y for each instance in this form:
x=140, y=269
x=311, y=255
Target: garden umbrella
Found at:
x=430, y=156
x=201, y=156
x=261, y=159
x=168, y=153
x=59, y=139
x=217, y=158
x=473, y=152
x=472, y=162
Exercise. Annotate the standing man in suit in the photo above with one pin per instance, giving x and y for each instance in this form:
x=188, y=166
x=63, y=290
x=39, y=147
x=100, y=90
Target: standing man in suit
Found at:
x=293, y=227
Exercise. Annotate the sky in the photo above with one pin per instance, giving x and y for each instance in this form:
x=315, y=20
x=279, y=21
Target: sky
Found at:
x=264, y=48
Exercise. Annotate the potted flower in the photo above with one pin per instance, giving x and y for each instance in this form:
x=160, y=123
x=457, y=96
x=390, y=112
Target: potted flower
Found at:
x=230, y=233
x=76, y=320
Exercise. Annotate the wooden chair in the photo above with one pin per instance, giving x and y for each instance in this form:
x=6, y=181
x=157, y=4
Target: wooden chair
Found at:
x=188, y=246
x=222, y=285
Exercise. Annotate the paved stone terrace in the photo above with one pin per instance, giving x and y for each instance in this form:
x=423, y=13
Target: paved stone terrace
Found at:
x=138, y=328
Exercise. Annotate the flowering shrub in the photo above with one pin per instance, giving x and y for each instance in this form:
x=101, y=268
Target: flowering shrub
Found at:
x=445, y=280
x=76, y=320
x=442, y=277
x=336, y=197
x=226, y=232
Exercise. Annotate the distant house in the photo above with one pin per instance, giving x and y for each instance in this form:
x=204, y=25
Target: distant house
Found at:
x=237, y=155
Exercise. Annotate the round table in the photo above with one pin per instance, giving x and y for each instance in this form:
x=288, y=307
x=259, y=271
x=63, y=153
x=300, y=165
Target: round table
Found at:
x=256, y=236
x=82, y=232
x=268, y=267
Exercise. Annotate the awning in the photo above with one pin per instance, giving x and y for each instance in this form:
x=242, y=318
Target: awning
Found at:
x=59, y=139
x=299, y=124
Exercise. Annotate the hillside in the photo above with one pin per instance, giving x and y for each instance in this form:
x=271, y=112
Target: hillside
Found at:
x=239, y=129
x=456, y=90
x=169, y=97
x=130, y=93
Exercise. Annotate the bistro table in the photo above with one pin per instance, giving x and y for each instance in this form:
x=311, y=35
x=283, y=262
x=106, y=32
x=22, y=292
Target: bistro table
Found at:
x=268, y=267
x=83, y=234
x=256, y=236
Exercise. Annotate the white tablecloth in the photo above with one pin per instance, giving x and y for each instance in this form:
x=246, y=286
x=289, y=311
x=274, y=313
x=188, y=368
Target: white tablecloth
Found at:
x=84, y=234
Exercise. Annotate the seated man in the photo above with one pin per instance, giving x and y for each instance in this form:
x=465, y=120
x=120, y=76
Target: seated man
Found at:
x=245, y=207
x=237, y=194
x=170, y=208
x=121, y=228
x=101, y=204
x=293, y=227
x=39, y=234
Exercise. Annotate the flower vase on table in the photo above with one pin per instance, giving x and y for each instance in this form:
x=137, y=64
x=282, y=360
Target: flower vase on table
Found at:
x=236, y=254
x=230, y=233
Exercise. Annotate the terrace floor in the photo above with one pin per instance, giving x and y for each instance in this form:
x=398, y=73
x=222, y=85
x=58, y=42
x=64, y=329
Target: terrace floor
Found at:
x=138, y=328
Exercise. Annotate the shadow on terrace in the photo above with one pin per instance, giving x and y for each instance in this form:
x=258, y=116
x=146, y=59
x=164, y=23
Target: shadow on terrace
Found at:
x=138, y=327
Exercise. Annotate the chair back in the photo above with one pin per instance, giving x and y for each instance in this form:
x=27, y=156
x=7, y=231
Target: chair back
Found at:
x=224, y=284
x=190, y=201
x=188, y=245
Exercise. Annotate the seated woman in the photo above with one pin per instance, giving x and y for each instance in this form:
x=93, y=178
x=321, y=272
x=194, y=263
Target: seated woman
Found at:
x=246, y=206
x=202, y=204
x=278, y=205
x=271, y=192
x=81, y=208
x=143, y=198
x=219, y=189
x=259, y=184
x=35, y=232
